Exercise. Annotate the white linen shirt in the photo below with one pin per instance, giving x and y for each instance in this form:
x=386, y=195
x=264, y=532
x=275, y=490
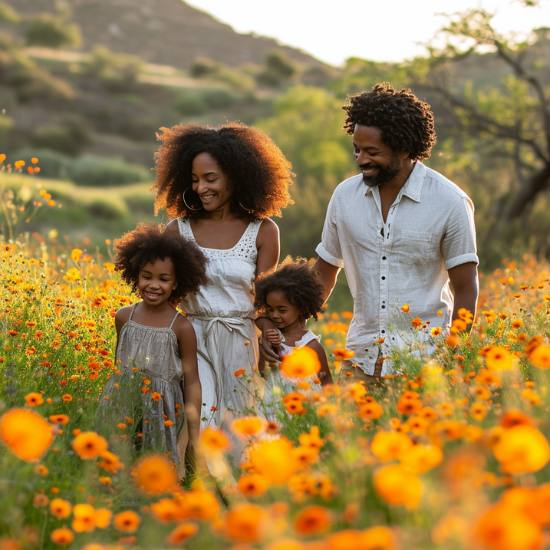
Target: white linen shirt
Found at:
x=429, y=229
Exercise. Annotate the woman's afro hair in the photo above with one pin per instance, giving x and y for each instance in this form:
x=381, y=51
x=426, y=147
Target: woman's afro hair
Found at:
x=406, y=122
x=257, y=170
x=147, y=243
x=299, y=282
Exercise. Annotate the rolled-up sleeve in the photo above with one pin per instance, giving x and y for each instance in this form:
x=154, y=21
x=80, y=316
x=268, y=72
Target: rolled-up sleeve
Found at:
x=329, y=248
x=459, y=243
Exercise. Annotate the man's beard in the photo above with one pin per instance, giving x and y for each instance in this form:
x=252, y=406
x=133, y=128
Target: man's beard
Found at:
x=384, y=174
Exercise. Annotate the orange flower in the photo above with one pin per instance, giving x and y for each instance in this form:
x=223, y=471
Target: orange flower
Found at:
x=300, y=363
x=165, y=510
x=540, y=357
x=312, y=520
x=273, y=459
x=248, y=426
x=252, y=485
x=155, y=474
x=213, y=440
x=127, y=521
x=34, y=399
x=62, y=536
x=343, y=354
x=84, y=518
x=388, y=446
x=88, y=445
x=405, y=308
x=422, y=458
x=522, y=449
x=60, y=419
x=60, y=508
x=102, y=517
x=499, y=358
x=311, y=439
x=182, y=532
x=198, y=504
x=513, y=418
x=239, y=372
x=26, y=433
x=110, y=462
x=397, y=486
x=245, y=523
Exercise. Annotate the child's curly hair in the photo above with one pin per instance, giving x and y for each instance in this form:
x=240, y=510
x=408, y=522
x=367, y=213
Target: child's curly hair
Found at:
x=148, y=243
x=299, y=283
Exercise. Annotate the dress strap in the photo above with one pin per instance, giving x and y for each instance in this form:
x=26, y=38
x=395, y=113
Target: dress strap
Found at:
x=132, y=312
x=185, y=229
x=174, y=319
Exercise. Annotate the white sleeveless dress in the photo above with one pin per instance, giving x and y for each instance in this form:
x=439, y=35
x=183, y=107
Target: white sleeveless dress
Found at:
x=222, y=315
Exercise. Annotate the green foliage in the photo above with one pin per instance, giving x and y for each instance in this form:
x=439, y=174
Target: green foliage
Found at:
x=29, y=81
x=8, y=14
x=52, y=32
x=278, y=71
x=104, y=171
x=191, y=102
x=69, y=136
x=118, y=72
x=202, y=67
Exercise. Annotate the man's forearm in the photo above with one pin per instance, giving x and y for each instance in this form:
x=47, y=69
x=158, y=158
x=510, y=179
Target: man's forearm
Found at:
x=467, y=299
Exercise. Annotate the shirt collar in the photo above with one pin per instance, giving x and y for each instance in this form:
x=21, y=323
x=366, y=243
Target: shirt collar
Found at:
x=413, y=185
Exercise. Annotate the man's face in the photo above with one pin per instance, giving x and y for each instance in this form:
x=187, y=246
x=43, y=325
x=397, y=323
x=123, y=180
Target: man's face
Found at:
x=377, y=161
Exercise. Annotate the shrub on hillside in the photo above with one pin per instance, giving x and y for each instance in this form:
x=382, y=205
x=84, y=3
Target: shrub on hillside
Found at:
x=118, y=72
x=8, y=14
x=69, y=136
x=99, y=171
x=278, y=71
x=52, y=32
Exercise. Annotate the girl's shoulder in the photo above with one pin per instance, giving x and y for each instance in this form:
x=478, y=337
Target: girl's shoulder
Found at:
x=183, y=328
x=124, y=313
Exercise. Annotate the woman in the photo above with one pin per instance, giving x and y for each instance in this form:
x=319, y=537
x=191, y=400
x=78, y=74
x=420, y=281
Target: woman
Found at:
x=221, y=185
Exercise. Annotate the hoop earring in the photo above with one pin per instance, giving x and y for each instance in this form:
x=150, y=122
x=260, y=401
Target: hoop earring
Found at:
x=247, y=210
x=192, y=209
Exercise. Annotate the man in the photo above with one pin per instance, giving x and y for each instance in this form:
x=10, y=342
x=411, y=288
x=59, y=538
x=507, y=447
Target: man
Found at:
x=403, y=232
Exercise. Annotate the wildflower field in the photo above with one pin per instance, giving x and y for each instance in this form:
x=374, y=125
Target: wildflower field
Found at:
x=452, y=453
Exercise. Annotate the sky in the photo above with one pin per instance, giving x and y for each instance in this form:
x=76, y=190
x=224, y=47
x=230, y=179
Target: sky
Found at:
x=381, y=30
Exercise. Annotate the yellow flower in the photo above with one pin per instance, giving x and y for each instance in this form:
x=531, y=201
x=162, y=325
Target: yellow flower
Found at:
x=388, y=446
x=422, y=458
x=88, y=445
x=27, y=434
x=76, y=254
x=83, y=518
x=522, y=449
x=397, y=486
x=102, y=517
x=273, y=459
x=155, y=474
x=72, y=275
x=300, y=363
x=499, y=358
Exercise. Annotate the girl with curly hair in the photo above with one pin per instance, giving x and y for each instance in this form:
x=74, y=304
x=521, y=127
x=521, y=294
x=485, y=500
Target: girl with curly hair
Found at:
x=289, y=297
x=221, y=185
x=156, y=387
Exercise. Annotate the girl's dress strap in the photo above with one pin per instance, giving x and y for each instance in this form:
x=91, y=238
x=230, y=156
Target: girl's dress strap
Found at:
x=174, y=319
x=132, y=312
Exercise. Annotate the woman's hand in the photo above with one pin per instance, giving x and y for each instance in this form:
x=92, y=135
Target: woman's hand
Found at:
x=274, y=337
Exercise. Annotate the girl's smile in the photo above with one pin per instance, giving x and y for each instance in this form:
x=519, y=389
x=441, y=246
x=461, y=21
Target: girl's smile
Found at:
x=156, y=281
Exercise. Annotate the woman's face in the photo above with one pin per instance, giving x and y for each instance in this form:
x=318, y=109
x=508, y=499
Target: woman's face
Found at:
x=210, y=183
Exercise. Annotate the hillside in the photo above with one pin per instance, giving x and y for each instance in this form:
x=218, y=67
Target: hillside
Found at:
x=167, y=32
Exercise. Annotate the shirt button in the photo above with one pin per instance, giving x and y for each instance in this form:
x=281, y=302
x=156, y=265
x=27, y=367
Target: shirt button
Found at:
x=383, y=331
x=383, y=307
x=383, y=257
x=383, y=277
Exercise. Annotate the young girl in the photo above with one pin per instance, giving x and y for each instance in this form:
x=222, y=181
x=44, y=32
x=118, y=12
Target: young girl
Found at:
x=156, y=387
x=288, y=298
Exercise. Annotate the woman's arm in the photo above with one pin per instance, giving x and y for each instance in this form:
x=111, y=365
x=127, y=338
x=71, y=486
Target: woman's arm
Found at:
x=192, y=391
x=325, y=376
x=268, y=246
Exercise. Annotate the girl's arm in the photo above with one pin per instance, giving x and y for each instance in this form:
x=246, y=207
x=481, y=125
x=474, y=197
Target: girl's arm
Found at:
x=325, y=376
x=121, y=318
x=192, y=391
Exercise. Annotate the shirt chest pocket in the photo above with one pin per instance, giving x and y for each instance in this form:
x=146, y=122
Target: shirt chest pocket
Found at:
x=415, y=247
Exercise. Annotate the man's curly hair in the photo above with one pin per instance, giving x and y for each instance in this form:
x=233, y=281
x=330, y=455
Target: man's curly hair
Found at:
x=299, y=282
x=406, y=122
x=256, y=168
x=148, y=243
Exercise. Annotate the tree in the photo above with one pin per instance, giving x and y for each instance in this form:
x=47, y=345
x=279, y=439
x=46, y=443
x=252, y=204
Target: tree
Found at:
x=509, y=105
